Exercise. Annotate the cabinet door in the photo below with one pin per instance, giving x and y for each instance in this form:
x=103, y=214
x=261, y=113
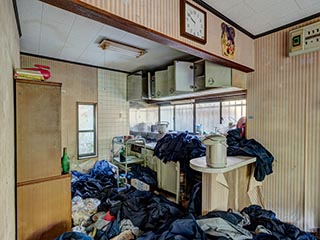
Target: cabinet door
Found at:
x=239, y=79
x=217, y=75
x=38, y=119
x=171, y=80
x=44, y=209
x=136, y=86
x=161, y=83
x=184, y=76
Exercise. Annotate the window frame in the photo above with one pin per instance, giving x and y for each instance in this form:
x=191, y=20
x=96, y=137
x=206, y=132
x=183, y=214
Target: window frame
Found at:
x=95, y=135
x=219, y=100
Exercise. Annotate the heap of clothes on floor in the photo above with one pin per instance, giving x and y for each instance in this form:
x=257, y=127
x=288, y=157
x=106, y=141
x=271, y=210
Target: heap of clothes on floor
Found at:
x=101, y=210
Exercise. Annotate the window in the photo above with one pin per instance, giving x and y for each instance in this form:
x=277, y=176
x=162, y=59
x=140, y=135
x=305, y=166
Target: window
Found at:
x=87, y=135
x=167, y=115
x=184, y=117
x=208, y=116
x=141, y=118
x=232, y=111
x=211, y=116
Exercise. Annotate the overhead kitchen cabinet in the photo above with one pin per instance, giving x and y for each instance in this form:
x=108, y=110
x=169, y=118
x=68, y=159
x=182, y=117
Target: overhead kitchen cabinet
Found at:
x=180, y=77
x=209, y=75
x=137, y=86
x=177, y=78
x=161, y=83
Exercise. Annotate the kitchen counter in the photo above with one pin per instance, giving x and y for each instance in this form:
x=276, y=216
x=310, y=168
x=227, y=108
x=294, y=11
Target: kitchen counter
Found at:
x=224, y=188
x=151, y=145
x=200, y=164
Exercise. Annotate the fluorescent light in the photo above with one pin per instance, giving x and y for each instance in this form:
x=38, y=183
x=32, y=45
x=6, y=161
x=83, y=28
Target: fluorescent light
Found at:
x=108, y=45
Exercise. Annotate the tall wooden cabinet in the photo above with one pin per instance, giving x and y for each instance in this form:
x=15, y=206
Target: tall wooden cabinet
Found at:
x=43, y=194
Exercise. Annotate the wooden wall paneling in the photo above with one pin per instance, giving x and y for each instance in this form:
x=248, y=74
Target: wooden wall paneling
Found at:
x=312, y=168
x=281, y=112
x=38, y=114
x=159, y=21
x=44, y=209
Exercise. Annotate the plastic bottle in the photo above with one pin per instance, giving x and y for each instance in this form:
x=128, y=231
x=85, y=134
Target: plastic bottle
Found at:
x=65, y=162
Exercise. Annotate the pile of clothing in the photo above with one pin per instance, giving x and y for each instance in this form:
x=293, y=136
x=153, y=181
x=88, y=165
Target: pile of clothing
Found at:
x=126, y=213
x=95, y=183
x=238, y=145
x=180, y=147
x=144, y=174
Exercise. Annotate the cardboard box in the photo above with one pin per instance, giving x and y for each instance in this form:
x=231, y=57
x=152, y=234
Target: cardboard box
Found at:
x=140, y=185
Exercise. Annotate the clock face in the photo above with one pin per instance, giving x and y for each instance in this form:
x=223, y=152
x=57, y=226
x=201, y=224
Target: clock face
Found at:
x=193, y=22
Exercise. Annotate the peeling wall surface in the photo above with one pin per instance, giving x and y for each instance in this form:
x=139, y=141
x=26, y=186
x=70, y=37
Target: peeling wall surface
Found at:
x=9, y=59
x=87, y=84
x=283, y=109
x=79, y=84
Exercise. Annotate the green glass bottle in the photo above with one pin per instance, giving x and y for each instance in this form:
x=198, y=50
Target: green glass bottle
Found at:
x=65, y=162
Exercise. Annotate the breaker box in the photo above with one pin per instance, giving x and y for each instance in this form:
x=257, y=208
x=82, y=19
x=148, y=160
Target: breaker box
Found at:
x=305, y=39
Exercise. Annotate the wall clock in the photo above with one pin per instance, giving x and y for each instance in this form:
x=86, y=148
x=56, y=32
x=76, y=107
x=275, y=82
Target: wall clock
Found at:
x=193, y=22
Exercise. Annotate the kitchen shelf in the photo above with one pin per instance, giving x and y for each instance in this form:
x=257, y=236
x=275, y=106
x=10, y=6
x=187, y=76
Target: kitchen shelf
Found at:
x=129, y=157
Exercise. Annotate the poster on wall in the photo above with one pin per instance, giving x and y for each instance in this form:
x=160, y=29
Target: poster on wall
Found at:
x=227, y=41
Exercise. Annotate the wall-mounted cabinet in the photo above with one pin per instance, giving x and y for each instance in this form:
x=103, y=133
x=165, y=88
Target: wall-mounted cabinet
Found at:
x=239, y=79
x=182, y=78
x=161, y=83
x=209, y=75
x=137, y=86
x=177, y=78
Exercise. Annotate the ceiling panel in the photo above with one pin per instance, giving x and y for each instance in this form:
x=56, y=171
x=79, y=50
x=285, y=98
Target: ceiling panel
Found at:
x=259, y=16
x=56, y=33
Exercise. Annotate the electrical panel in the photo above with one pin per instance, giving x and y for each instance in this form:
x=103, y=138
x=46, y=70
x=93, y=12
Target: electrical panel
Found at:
x=305, y=39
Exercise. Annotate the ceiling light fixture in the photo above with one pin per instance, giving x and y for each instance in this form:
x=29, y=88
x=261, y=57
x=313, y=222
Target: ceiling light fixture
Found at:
x=121, y=48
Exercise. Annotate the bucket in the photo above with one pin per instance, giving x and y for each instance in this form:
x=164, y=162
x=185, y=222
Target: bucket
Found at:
x=216, y=151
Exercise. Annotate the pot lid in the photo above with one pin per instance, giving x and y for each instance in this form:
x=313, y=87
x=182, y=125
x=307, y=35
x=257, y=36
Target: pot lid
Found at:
x=209, y=140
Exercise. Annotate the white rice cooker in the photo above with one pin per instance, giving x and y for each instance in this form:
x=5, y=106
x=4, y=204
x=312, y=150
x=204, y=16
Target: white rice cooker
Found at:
x=162, y=126
x=216, y=150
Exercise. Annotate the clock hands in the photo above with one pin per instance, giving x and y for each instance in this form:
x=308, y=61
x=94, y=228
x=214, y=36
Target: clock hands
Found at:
x=191, y=18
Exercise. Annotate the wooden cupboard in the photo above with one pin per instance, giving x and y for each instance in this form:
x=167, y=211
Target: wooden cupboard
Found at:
x=44, y=208
x=43, y=194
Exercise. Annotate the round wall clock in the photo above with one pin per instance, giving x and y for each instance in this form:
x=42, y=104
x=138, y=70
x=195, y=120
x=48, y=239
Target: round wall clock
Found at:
x=193, y=22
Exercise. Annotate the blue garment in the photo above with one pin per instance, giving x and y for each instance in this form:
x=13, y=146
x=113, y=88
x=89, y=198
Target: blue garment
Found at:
x=180, y=147
x=280, y=230
x=239, y=146
x=195, y=202
x=74, y=236
x=144, y=174
x=180, y=229
x=95, y=183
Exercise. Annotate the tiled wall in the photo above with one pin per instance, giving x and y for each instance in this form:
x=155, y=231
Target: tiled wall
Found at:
x=9, y=59
x=113, y=109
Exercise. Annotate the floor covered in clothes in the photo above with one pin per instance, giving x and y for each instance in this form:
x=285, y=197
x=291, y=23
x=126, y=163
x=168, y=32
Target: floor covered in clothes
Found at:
x=101, y=210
